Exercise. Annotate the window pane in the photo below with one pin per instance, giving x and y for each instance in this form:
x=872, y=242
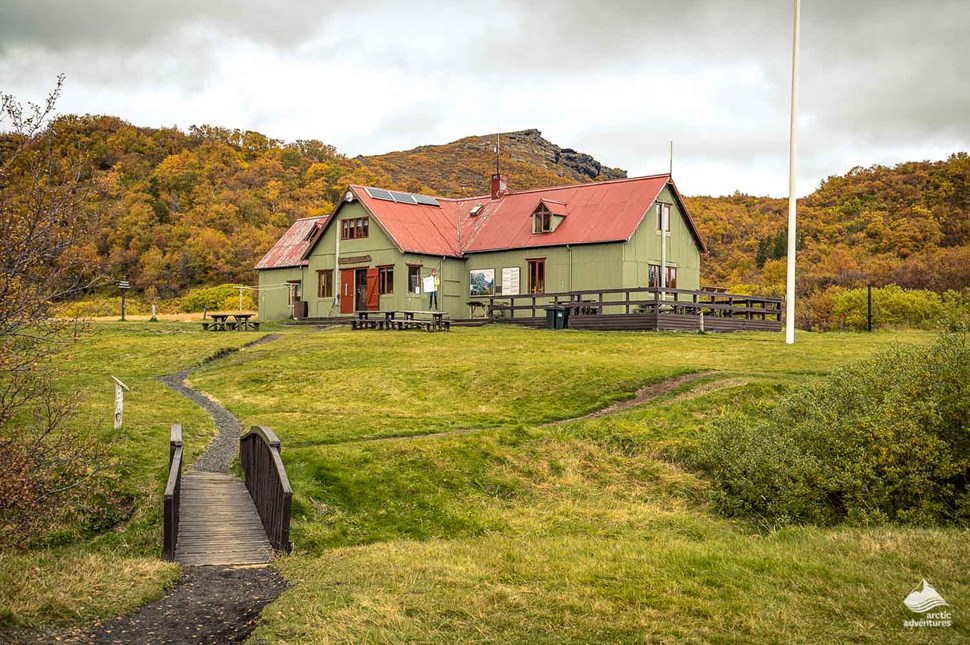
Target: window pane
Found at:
x=414, y=279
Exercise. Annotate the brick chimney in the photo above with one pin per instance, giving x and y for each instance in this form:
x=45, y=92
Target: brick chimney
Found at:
x=499, y=186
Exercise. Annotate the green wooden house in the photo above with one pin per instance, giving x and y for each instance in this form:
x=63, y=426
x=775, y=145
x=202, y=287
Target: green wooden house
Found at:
x=378, y=248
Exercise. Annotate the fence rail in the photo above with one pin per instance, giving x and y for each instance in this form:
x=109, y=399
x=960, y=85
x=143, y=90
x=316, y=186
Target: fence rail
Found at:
x=645, y=300
x=268, y=485
x=173, y=492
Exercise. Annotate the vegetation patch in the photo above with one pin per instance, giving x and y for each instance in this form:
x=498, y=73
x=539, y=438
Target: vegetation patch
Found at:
x=884, y=440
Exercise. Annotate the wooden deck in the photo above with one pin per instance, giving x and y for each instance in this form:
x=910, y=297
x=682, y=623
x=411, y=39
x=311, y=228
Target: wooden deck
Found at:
x=644, y=309
x=218, y=522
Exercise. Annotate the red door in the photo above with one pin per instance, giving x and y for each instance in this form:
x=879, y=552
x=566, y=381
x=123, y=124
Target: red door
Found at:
x=347, y=291
x=373, y=303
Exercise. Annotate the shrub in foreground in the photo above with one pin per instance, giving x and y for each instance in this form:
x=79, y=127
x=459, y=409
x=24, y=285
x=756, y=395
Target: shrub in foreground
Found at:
x=887, y=439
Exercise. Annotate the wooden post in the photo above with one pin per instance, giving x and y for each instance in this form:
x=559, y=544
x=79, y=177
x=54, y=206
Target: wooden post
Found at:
x=869, y=307
x=119, y=401
x=124, y=285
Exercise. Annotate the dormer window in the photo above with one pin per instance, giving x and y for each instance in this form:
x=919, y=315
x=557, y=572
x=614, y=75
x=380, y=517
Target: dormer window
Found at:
x=547, y=216
x=542, y=220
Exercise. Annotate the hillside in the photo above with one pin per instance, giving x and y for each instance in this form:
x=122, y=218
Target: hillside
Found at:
x=172, y=210
x=456, y=169
x=908, y=224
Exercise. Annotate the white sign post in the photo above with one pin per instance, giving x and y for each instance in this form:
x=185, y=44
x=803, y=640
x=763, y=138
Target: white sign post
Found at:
x=119, y=401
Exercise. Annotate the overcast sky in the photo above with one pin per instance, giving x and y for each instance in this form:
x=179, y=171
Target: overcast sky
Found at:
x=882, y=81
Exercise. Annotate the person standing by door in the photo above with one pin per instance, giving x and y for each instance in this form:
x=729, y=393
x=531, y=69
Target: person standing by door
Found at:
x=433, y=294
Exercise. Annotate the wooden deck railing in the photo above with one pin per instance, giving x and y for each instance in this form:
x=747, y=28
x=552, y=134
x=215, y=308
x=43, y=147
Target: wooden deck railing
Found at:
x=639, y=300
x=173, y=492
x=259, y=454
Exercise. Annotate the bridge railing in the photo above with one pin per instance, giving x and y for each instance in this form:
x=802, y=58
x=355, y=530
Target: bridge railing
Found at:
x=173, y=492
x=268, y=485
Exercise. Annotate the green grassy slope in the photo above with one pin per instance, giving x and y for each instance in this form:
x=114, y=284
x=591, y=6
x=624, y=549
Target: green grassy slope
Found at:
x=581, y=531
x=434, y=503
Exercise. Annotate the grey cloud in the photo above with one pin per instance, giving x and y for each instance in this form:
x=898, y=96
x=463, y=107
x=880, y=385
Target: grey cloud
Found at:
x=876, y=76
x=61, y=25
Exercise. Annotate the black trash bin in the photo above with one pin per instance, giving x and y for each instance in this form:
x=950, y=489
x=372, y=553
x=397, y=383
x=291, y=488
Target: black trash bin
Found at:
x=552, y=319
x=562, y=318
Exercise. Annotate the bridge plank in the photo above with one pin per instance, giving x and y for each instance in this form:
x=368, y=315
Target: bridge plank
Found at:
x=218, y=523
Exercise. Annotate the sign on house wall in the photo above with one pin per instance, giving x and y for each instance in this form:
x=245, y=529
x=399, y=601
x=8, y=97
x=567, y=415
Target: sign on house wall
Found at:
x=482, y=282
x=510, y=281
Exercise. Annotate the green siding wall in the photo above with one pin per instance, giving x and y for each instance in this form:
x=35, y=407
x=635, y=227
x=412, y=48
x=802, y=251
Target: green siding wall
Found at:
x=574, y=268
x=273, y=294
x=644, y=248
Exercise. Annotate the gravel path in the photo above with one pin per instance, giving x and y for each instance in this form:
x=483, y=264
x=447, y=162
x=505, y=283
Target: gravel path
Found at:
x=219, y=455
x=208, y=605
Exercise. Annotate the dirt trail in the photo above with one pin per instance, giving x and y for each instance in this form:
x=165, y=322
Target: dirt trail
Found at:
x=644, y=395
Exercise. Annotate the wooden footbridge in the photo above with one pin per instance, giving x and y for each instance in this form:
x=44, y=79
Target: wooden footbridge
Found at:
x=216, y=519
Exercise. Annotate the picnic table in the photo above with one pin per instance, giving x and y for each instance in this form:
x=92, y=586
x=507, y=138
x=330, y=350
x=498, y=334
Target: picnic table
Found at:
x=239, y=322
x=428, y=320
x=365, y=321
x=388, y=320
x=474, y=305
x=244, y=322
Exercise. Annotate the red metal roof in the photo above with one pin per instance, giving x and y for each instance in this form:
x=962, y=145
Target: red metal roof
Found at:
x=556, y=208
x=416, y=228
x=608, y=211
x=288, y=250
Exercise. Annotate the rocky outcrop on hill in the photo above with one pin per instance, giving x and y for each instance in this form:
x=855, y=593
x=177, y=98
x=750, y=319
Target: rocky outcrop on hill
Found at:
x=462, y=167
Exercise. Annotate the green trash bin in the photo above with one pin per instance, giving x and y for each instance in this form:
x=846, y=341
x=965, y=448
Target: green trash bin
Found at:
x=562, y=318
x=551, y=317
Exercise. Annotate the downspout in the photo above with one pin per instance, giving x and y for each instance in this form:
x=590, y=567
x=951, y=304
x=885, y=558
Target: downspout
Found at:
x=570, y=249
x=336, y=274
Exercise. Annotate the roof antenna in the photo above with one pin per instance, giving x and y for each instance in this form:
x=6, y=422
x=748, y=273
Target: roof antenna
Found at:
x=498, y=150
x=671, y=157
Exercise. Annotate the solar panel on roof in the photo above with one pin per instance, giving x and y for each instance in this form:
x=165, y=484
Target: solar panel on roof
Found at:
x=377, y=193
x=402, y=198
x=427, y=200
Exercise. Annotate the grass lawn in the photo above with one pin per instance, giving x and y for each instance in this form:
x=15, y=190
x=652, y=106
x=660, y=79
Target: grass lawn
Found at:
x=434, y=502
x=82, y=573
x=498, y=527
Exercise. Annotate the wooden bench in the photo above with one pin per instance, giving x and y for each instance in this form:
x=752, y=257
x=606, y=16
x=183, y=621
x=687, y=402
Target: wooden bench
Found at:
x=221, y=322
x=426, y=320
x=388, y=320
x=365, y=320
x=588, y=307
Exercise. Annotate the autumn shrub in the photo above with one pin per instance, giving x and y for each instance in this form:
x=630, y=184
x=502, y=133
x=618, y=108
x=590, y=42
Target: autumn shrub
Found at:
x=102, y=306
x=106, y=306
x=232, y=302
x=884, y=440
x=892, y=306
x=222, y=297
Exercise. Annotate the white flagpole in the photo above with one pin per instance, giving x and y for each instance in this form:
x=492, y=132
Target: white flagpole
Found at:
x=790, y=287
